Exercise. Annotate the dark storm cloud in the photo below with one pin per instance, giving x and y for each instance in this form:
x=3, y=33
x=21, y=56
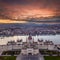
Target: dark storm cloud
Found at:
x=32, y=1
x=40, y=3
x=16, y=1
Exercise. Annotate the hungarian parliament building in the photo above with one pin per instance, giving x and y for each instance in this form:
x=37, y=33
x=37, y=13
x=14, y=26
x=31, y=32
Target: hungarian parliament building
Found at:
x=30, y=46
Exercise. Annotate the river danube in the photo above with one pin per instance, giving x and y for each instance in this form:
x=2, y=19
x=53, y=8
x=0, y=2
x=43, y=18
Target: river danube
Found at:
x=54, y=38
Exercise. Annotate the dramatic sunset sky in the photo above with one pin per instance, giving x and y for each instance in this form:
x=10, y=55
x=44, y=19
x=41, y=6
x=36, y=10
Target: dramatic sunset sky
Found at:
x=24, y=9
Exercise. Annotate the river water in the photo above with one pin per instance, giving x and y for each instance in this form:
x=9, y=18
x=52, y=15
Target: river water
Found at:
x=54, y=38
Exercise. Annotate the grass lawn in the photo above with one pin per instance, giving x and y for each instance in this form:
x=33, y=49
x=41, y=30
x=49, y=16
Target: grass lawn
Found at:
x=52, y=57
x=7, y=57
x=11, y=52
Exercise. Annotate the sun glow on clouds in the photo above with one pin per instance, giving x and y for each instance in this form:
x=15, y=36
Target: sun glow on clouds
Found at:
x=38, y=13
x=31, y=13
x=10, y=21
x=27, y=13
x=24, y=9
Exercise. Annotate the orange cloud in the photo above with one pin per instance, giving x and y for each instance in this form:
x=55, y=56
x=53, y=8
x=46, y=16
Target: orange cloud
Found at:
x=22, y=9
x=10, y=21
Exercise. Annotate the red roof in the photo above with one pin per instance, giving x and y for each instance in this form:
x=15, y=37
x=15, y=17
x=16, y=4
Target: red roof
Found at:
x=30, y=37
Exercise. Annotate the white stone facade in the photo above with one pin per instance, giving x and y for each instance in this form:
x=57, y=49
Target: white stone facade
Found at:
x=30, y=51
